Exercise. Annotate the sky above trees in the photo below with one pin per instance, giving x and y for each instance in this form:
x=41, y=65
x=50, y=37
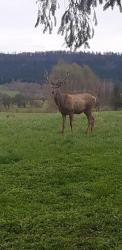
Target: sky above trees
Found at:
x=17, y=32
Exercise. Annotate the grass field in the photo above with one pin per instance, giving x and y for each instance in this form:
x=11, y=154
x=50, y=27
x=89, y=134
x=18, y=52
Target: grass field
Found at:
x=5, y=90
x=60, y=193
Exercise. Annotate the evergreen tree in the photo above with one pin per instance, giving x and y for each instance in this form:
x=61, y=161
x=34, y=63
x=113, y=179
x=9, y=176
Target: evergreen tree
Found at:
x=116, y=98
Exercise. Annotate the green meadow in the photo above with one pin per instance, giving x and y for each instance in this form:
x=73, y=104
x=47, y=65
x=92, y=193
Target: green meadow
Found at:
x=60, y=192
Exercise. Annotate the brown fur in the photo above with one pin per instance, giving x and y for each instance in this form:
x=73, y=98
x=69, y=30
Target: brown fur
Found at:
x=70, y=104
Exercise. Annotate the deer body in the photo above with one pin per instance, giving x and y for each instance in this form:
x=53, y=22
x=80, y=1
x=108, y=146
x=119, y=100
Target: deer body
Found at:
x=70, y=104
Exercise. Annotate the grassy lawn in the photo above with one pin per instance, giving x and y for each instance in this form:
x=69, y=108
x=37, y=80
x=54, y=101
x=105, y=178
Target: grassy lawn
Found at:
x=60, y=192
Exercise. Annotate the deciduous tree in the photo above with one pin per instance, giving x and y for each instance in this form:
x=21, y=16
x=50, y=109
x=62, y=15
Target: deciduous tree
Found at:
x=77, y=21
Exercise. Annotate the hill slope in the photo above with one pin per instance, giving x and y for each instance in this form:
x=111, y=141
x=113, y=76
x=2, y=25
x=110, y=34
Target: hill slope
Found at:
x=31, y=67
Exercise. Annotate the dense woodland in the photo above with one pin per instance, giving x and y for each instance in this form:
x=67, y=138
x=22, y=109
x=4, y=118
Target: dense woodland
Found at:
x=31, y=67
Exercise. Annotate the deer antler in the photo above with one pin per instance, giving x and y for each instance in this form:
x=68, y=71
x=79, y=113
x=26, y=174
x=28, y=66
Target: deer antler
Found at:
x=67, y=75
x=63, y=81
x=59, y=83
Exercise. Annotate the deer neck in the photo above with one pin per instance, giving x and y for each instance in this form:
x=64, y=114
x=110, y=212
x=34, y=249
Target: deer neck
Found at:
x=58, y=97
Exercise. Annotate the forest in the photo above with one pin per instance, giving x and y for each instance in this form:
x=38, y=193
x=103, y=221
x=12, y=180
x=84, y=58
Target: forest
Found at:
x=31, y=67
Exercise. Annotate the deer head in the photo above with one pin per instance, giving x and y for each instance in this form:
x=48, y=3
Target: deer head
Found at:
x=57, y=85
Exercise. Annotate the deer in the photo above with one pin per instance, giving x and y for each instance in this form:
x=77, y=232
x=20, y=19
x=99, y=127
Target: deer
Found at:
x=70, y=104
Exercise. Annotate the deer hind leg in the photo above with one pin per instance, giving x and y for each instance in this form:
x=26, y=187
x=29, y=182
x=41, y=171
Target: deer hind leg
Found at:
x=63, y=123
x=88, y=127
x=92, y=123
x=90, y=119
x=71, y=119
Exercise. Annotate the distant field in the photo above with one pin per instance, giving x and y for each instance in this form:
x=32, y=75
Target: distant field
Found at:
x=5, y=90
x=17, y=87
x=60, y=192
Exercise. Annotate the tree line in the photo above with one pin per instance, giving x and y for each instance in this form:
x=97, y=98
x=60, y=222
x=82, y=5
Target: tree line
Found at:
x=20, y=101
x=31, y=67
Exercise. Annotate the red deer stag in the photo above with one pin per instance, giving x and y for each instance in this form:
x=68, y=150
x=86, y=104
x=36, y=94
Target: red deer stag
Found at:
x=70, y=104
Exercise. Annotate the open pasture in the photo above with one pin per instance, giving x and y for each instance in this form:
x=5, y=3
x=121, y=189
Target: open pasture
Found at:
x=60, y=192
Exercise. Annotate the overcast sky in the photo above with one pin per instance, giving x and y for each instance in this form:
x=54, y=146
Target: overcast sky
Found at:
x=17, y=32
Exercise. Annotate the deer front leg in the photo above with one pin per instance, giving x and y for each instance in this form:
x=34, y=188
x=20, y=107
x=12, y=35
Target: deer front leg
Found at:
x=63, y=123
